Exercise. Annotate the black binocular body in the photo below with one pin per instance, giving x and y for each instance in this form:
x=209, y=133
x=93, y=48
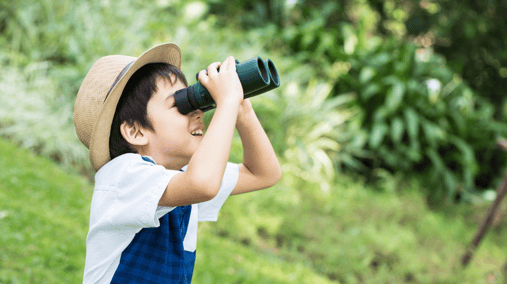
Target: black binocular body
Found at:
x=257, y=76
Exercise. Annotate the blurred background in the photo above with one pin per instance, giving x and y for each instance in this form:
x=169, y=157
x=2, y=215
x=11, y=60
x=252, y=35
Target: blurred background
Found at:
x=386, y=127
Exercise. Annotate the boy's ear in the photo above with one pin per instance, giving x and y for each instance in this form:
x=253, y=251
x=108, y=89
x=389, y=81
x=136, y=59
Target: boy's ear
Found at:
x=134, y=133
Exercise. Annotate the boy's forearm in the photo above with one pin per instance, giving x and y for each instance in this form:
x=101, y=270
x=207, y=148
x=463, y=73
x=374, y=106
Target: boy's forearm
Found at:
x=211, y=157
x=258, y=154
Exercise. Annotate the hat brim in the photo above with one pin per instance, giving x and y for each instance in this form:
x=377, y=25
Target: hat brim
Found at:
x=99, y=142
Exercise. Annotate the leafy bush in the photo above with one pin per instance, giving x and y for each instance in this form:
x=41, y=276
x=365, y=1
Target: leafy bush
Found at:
x=308, y=129
x=50, y=48
x=417, y=116
x=38, y=117
x=469, y=34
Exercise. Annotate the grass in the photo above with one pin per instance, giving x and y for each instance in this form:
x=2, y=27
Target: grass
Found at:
x=44, y=223
x=359, y=234
x=44, y=219
x=291, y=233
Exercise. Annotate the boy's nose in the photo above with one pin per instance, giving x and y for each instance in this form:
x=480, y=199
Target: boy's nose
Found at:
x=197, y=114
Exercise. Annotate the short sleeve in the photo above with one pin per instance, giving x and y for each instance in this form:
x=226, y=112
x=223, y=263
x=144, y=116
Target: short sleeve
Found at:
x=208, y=211
x=131, y=189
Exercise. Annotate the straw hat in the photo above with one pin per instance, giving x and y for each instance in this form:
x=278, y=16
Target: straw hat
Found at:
x=101, y=90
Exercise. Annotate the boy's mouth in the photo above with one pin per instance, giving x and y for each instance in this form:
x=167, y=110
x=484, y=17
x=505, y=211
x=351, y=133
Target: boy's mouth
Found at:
x=197, y=132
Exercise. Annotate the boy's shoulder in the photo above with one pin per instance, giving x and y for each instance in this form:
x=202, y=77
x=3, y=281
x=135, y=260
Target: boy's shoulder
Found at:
x=127, y=168
x=119, y=163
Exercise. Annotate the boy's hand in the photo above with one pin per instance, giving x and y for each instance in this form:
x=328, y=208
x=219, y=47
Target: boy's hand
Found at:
x=223, y=86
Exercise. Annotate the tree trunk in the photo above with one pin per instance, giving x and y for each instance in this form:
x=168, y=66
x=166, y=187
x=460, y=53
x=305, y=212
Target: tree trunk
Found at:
x=500, y=193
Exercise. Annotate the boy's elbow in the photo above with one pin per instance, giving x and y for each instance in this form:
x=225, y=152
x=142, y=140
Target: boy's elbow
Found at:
x=274, y=177
x=206, y=189
x=208, y=194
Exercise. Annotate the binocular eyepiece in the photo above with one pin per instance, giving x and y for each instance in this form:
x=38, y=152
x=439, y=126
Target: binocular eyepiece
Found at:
x=257, y=76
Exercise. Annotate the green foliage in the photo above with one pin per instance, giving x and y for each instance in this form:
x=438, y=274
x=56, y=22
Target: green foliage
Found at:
x=470, y=35
x=56, y=70
x=307, y=128
x=38, y=117
x=236, y=263
x=353, y=235
x=44, y=219
x=416, y=114
x=45, y=60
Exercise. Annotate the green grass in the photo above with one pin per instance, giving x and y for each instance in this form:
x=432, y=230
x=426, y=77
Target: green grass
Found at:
x=359, y=234
x=292, y=233
x=44, y=221
x=44, y=214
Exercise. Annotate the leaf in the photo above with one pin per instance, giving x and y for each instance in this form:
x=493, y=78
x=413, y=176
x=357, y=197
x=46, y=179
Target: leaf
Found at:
x=378, y=133
x=390, y=157
x=380, y=114
x=352, y=162
x=366, y=74
x=350, y=39
x=433, y=133
x=451, y=182
x=412, y=119
x=327, y=144
x=359, y=140
x=459, y=122
x=412, y=153
x=380, y=59
x=319, y=130
x=436, y=160
x=322, y=161
x=369, y=91
x=467, y=154
x=397, y=129
x=395, y=96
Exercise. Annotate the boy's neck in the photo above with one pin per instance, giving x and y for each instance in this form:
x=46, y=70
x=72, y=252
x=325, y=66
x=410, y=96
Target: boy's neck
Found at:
x=170, y=163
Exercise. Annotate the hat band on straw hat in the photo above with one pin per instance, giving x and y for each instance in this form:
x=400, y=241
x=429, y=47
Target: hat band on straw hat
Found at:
x=118, y=78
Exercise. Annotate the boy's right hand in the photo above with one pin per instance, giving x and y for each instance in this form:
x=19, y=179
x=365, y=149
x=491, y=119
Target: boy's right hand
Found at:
x=224, y=86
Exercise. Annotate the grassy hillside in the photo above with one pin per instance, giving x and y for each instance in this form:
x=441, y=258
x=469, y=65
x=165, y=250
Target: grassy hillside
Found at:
x=291, y=233
x=43, y=216
x=44, y=221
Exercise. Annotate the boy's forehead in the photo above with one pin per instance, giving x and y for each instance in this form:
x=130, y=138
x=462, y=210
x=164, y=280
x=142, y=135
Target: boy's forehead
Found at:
x=167, y=88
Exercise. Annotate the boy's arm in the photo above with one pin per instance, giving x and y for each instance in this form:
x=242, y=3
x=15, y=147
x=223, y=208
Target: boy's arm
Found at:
x=260, y=168
x=201, y=181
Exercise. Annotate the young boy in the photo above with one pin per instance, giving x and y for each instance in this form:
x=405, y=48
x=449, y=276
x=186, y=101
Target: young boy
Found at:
x=158, y=175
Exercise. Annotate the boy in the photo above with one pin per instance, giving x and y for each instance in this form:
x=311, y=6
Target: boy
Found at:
x=157, y=173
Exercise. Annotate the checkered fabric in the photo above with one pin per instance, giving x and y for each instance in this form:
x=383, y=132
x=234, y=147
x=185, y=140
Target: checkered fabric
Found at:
x=156, y=255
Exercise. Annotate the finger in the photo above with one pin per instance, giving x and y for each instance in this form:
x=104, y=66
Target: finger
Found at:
x=203, y=76
x=232, y=64
x=225, y=65
x=212, y=68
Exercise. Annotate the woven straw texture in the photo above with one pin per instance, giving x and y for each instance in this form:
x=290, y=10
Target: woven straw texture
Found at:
x=94, y=108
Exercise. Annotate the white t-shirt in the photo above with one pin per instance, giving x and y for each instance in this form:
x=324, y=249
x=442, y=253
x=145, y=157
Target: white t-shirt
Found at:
x=125, y=200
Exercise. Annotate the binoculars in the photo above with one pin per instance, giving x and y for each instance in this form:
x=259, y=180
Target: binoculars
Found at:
x=257, y=76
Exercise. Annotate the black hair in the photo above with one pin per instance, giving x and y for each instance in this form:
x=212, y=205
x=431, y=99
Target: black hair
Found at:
x=133, y=103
